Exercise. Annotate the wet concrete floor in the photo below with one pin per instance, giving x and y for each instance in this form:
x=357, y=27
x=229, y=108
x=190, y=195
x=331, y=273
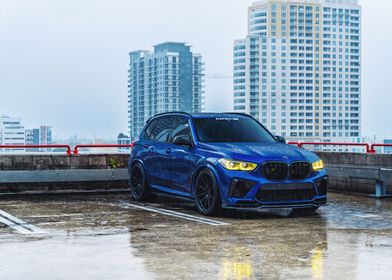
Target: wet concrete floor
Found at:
x=106, y=237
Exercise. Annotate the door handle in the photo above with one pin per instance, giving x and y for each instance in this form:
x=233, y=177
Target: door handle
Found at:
x=149, y=148
x=168, y=150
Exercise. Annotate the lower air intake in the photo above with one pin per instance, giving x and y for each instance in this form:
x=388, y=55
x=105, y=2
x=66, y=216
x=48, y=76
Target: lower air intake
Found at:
x=285, y=192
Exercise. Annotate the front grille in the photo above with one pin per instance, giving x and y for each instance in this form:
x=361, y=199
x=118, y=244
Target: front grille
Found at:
x=299, y=170
x=279, y=171
x=276, y=171
x=285, y=192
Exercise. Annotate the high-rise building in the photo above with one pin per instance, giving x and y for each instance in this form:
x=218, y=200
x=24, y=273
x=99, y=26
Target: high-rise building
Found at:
x=299, y=69
x=12, y=132
x=39, y=136
x=45, y=133
x=32, y=138
x=168, y=79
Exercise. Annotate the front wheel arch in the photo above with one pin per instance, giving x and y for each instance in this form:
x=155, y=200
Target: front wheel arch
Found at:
x=208, y=190
x=197, y=172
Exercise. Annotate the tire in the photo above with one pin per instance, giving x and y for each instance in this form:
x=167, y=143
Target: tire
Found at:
x=138, y=184
x=304, y=211
x=207, y=196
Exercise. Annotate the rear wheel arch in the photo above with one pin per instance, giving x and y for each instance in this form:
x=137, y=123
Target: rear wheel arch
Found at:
x=135, y=161
x=145, y=194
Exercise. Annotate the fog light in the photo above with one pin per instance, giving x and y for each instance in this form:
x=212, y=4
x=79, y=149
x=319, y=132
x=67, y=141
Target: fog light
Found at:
x=322, y=186
x=240, y=188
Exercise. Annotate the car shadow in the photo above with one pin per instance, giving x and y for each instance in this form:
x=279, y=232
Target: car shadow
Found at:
x=189, y=207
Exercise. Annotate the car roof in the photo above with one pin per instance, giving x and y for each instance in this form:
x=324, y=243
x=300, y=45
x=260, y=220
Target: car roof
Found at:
x=219, y=115
x=202, y=115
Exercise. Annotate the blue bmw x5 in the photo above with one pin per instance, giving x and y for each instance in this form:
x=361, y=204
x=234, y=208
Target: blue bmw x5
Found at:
x=224, y=160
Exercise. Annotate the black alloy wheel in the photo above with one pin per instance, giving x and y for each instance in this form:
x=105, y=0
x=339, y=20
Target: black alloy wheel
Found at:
x=139, y=190
x=207, y=195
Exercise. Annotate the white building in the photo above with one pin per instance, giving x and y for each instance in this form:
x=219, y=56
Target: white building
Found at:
x=298, y=71
x=168, y=79
x=12, y=132
x=123, y=139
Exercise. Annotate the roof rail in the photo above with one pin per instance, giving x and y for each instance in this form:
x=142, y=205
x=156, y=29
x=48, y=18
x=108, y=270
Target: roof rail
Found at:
x=168, y=113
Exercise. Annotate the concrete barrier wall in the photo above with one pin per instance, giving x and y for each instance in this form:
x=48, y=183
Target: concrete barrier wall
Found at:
x=79, y=173
x=355, y=185
x=59, y=162
x=63, y=174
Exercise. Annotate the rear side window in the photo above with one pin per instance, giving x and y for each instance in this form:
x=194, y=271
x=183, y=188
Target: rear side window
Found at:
x=161, y=130
x=148, y=131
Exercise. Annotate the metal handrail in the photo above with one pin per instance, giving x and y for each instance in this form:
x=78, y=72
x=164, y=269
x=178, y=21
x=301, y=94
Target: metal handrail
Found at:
x=378, y=145
x=369, y=148
x=294, y=143
x=77, y=147
x=64, y=146
x=366, y=145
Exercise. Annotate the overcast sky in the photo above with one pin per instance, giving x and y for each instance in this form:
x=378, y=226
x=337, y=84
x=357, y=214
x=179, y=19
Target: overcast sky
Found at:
x=64, y=63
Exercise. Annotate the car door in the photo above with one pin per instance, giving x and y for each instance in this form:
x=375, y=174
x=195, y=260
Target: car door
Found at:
x=158, y=159
x=183, y=161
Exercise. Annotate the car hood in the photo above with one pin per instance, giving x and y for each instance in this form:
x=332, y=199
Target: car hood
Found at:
x=260, y=152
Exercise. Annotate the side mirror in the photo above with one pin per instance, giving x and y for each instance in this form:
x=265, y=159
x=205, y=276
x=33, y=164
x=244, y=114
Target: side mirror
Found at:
x=281, y=139
x=182, y=140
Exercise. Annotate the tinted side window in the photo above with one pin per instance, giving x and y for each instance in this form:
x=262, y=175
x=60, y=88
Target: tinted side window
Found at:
x=182, y=128
x=165, y=126
x=148, y=131
x=162, y=129
x=163, y=136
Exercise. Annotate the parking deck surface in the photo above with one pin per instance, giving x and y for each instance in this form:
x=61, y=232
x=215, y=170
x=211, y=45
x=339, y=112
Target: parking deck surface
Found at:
x=110, y=237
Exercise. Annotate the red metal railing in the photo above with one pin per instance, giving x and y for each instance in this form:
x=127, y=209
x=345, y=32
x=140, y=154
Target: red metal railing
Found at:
x=67, y=147
x=366, y=145
x=369, y=148
x=77, y=147
x=373, y=146
x=294, y=143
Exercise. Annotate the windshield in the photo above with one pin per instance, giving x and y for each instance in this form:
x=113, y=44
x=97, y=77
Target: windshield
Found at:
x=231, y=129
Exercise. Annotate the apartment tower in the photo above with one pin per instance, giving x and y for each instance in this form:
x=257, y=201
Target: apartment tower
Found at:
x=299, y=69
x=168, y=79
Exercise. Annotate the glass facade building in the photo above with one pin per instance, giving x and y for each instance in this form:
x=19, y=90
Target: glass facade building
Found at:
x=299, y=69
x=39, y=136
x=168, y=79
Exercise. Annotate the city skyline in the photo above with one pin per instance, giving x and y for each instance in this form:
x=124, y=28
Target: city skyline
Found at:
x=13, y=132
x=57, y=64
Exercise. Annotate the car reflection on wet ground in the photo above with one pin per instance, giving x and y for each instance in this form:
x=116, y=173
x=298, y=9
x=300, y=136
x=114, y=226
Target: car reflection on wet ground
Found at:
x=110, y=237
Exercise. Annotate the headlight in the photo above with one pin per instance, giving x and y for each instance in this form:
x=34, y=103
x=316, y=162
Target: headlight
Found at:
x=318, y=165
x=237, y=165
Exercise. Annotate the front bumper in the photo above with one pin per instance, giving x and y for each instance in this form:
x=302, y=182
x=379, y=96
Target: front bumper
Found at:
x=259, y=205
x=249, y=191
